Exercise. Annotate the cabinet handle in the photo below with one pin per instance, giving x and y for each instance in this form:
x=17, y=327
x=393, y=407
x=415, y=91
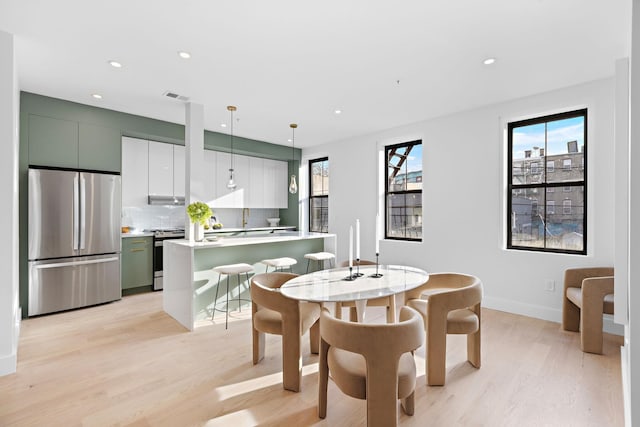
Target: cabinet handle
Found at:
x=139, y=241
x=137, y=250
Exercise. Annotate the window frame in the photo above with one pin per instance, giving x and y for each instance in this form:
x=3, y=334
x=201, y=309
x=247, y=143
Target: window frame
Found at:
x=544, y=184
x=387, y=148
x=312, y=197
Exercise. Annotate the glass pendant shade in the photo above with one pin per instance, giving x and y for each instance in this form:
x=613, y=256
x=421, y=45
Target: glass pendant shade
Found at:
x=293, y=185
x=231, y=184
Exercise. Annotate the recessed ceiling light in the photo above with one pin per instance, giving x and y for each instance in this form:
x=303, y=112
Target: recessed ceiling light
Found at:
x=184, y=55
x=338, y=111
x=115, y=64
x=96, y=95
x=289, y=140
x=224, y=125
x=489, y=61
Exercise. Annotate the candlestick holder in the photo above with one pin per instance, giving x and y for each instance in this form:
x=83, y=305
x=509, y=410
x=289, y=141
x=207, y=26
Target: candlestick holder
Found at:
x=377, y=275
x=357, y=273
x=351, y=276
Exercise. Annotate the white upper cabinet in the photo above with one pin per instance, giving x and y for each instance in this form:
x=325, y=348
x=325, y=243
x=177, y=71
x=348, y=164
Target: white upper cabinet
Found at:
x=178, y=171
x=135, y=171
x=275, y=184
x=210, y=178
x=160, y=169
x=281, y=182
x=256, y=197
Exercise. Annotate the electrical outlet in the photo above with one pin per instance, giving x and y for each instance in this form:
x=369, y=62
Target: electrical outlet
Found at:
x=550, y=285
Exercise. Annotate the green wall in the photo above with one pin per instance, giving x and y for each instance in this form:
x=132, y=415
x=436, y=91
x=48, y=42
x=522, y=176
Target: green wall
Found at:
x=69, y=134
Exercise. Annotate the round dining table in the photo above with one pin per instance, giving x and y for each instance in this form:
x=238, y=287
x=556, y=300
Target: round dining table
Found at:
x=336, y=285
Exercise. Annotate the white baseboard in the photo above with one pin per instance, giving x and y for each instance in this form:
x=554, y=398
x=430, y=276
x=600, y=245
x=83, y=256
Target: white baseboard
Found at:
x=544, y=313
x=624, y=364
x=9, y=363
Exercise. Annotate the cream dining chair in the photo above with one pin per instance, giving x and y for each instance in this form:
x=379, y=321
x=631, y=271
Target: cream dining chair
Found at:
x=371, y=361
x=449, y=304
x=273, y=313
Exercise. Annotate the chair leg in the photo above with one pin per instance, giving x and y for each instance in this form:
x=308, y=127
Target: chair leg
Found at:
x=353, y=314
x=408, y=404
x=314, y=337
x=323, y=379
x=291, y=360
x=436, y=353
x=258, y=344
x=226, y=320
x=215, y=300
x=391, y=309
x=308, y=260
x=591, y=331
x=473, y=342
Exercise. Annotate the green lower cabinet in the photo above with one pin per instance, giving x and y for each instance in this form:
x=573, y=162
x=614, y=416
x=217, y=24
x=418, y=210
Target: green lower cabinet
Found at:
x=137, y=262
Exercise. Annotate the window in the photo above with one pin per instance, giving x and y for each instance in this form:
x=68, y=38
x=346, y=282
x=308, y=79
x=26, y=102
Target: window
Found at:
x=533, y=222
x=550, y=166
x=319, y=195
x=403, y=191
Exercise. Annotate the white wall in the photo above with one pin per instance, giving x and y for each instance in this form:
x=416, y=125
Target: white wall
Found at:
x=9, y=308
x=464, y=197
x=631, y=366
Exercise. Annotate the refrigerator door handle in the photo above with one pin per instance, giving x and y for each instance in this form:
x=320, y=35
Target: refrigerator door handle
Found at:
x=83, y=211
x=74, y=263
x=76, y=211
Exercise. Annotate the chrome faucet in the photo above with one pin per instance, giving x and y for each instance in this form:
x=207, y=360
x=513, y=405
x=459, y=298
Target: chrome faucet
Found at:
x=245, y=216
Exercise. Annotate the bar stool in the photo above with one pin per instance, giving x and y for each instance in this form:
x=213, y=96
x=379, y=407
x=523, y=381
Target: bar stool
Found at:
x=279, y=263
x=230, y=270
x=320, y=257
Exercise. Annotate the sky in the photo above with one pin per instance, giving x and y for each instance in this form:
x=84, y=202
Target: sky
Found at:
x=559, y=132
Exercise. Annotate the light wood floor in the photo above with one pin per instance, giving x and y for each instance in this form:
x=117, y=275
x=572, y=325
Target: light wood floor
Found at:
x=129, y=363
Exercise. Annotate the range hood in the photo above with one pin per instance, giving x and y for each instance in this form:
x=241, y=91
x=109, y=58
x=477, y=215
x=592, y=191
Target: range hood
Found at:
x=166, y=200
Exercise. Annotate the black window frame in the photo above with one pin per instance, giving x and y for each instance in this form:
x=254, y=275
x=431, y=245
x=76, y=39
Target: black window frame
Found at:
x=312, y=197
x=544, y=185
x=387, y=148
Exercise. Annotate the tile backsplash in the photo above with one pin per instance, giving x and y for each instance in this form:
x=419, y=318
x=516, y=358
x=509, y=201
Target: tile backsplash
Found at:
x=154, y=216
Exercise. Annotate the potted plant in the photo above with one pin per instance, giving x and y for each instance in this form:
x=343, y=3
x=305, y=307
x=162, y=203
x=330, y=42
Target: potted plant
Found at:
x=199, y=213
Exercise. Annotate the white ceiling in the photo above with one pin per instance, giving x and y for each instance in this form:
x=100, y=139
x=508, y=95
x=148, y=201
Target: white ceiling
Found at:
x=384, y=63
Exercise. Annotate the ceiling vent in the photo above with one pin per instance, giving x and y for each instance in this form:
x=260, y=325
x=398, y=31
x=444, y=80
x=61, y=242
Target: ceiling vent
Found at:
x=173, y=95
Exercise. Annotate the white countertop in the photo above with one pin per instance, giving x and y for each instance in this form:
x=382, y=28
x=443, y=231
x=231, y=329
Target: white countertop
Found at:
x=240, y=230
x=138, y=234
x=226, y=241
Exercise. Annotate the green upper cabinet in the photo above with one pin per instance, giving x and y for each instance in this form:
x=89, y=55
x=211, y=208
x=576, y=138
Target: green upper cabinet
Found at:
x=99, y=148
x=53, y=142
x=70, y=144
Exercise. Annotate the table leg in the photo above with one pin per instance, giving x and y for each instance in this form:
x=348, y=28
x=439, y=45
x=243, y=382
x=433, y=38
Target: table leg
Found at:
x=361, y=305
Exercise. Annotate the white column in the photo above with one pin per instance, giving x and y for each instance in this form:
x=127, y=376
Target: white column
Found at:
x=194, y=158
x=632, y=333
x=9, y=279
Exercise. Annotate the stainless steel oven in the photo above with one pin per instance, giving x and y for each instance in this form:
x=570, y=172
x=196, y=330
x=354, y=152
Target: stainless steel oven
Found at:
x=159, y=236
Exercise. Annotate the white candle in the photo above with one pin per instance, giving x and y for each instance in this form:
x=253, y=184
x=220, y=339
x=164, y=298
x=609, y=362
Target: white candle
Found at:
x=357, y=239
x=351, y=246
x=377, y=233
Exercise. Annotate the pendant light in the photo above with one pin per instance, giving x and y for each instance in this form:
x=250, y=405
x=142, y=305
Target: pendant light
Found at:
x=293, y=185
x=231, y=184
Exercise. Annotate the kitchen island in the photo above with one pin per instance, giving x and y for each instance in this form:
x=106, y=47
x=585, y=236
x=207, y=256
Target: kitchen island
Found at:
x=190, y=284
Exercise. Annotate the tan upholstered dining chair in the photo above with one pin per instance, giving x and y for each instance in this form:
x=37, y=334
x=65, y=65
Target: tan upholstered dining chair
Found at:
x=388, y=302
x=273, y=313
x=587, y=295
x=449, y=304
x=371, y=361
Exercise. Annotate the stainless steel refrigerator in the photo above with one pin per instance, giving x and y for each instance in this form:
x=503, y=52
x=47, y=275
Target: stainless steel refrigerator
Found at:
x=74, y=239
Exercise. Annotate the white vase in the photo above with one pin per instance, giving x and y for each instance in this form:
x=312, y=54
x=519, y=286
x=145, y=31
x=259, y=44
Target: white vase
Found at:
x=198, y=232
